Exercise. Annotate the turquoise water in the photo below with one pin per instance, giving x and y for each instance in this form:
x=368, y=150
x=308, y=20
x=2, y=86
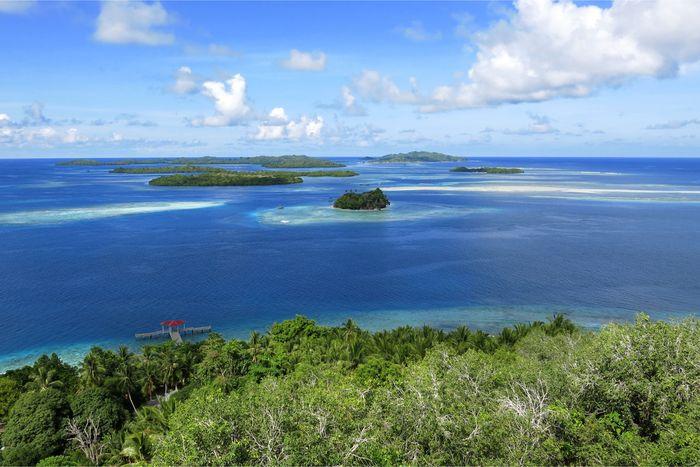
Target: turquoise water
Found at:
x=90, y=257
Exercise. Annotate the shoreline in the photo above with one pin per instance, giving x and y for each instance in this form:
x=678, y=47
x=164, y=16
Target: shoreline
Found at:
x=485, y=318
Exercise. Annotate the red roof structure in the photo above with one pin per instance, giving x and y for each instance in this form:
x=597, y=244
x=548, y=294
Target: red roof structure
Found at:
x=173, y=323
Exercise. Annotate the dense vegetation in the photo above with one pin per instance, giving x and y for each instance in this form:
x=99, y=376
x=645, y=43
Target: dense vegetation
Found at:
x=165, y=169
x=488, y=170
x=223, y=179
x=539, y=393
x=416, y=156
x=234, y=178
x=272, y=162
x=369, y=200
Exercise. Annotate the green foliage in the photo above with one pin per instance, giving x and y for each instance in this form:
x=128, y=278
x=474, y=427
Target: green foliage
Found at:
x=62, y=460
x=99, y=405
x=35, y=427
x=539, y=393
x=9, y=393
x=488, y=170
x=165, y=169
x=222, y=179
x=416, y=156
x=369, y=200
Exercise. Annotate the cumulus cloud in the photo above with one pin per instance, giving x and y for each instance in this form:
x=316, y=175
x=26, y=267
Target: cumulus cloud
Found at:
x=539, y=125
x=230, y=102
x=305, y=61
x=416, y=32
x=349, y=102
x=35, y=114
x=185, y=82
x=278, y=114
x=370, y=84
x=674, y=124
x=280, y=127
x=14, y=7
x=18, y=136
x=547, y=50
x=133, y=22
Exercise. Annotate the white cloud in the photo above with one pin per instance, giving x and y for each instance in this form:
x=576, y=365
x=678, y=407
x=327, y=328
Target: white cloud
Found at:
x=417, y=32
x=4, y=120
x=279, y=114
x=35, y=114
x=349, y=102
x=39, y=136
x=185, y=82
x=14, y=7
x=548, y=50
x=230, y=104
x=304, y=128
x=539, y=125
x=363, y=135
x=73, y=136
x=371, y=85
x=305, y=61
x=133, y=22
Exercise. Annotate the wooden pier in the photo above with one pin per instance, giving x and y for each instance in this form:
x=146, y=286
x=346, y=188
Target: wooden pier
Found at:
x=174, y=329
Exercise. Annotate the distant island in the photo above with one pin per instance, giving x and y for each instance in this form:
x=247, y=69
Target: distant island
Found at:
x=367, y=201
x=415, y=156
x=165, y=169
x=169, y=169
x=222, y=179
x=271, y=162
x=488, y=170
x=231, y=178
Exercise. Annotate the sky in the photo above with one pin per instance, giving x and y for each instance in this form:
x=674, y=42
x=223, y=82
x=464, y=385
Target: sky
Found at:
x=522, y=78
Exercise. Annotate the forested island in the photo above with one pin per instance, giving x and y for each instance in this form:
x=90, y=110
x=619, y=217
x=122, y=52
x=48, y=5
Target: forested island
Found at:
x=415, y=156
x=222, y=177
x=488, y=170
x=165, y=169
x=367, y=201
x=304, y=394
x=272, y=162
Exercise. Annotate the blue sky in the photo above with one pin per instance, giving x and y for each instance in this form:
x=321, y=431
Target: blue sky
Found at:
x=531, y=77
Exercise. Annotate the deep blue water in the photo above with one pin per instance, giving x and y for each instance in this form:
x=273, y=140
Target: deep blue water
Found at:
x=88, y=257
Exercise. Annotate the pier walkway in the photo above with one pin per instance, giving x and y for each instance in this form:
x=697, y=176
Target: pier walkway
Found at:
x=174, y=329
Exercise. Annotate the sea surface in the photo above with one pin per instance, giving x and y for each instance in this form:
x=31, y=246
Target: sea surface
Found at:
x=88, y=257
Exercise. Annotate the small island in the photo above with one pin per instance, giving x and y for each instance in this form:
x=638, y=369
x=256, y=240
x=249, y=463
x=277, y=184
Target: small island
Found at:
x=221, y=177
x=293, y=161
x=415, y=156
x=488, y=170
x=368, y=201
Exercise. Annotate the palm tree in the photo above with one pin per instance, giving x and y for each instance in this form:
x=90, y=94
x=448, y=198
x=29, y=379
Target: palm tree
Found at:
x=91, y=370
x=126, y=381
x=44, y=379
x=136, y=446
x=125, y=376
x=169, y=366
x=149, y=377
x=255, y=346
x=355, y=352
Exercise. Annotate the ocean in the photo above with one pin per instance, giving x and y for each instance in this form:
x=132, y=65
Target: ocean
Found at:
x=90, y=258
